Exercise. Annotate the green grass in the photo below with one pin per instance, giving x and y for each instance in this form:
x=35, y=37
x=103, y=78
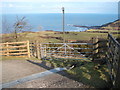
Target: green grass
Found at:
x=105, y=35
x=103, y=30
x=36, y=36
x=85, y=72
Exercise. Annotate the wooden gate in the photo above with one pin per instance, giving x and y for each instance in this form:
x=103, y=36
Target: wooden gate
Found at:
x=113, y=55
x=15, y=49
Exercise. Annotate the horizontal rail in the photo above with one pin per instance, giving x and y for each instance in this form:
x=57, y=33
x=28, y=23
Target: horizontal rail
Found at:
x=13, y=46
x=14, y=53
x=66, y=47
x=18, y=56
x=14, y=50
x=77, y=52
x=13, y=43
x=70, y=43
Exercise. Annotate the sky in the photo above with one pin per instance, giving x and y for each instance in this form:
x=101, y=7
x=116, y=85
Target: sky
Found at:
x=54, y=6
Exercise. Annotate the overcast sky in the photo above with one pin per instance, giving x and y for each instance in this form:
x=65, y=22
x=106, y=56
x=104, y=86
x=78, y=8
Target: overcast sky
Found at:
x=54, y=6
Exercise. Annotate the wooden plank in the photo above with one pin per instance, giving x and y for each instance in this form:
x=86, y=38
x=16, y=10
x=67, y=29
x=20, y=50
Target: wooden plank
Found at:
x=14, y=53
x=14, y=46
x=13, y=50
x=14, y=43
x=17, y=56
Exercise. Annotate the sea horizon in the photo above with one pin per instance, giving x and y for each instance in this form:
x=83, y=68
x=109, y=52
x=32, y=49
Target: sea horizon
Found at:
x=53, y=21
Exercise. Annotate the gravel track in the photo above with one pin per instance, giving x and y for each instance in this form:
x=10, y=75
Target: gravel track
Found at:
x=16, y=69
x=51, y=81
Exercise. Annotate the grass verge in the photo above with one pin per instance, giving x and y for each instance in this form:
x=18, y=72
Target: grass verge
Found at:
x=85, y=72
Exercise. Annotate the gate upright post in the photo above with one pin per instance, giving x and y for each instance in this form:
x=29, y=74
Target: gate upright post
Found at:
x=7, y=49
x=95, y=46
x=28, y=48
x=65, y=49
x=93, y=41
x=38, y=50
x=41, y=51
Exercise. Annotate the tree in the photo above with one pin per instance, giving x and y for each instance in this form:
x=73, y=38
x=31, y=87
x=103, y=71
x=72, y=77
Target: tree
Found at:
x=20, y=25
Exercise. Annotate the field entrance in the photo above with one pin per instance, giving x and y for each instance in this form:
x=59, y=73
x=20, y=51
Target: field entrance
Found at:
x=80, y=51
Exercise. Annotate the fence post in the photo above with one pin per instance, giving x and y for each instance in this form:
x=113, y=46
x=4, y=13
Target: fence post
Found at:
x=35, y=49
x=7, y=49
x=95, y=46
x=45, y=51
x=32, y=49
x=28, y=48
x=41, y=51
x=38, y=50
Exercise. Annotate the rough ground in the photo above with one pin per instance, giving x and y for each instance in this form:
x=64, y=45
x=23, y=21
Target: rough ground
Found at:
x=16, y=69
x=51, y=81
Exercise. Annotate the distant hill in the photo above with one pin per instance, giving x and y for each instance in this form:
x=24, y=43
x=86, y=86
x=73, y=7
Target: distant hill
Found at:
x=115, y=25
x=112, y=25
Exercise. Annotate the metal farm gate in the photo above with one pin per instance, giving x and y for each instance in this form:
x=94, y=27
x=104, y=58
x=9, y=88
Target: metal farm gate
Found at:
x=67, y=50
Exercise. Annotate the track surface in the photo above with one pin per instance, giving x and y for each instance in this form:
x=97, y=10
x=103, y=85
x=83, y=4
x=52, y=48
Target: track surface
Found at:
x=17, y=69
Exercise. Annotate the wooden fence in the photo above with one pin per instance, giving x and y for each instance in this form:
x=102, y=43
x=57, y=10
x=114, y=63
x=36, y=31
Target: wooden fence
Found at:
x=15, y=49
x=35, y=50
x=113, y=56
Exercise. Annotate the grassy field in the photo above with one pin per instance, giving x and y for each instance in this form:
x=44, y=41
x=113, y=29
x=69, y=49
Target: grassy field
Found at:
x=85, y=72
x=51, y=36
x=103, y=30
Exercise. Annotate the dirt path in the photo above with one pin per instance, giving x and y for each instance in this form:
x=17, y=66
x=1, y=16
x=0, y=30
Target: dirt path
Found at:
x=51, y=81
x=16, y=69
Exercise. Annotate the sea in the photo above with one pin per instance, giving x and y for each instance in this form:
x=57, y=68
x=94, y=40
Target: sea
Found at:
x=53, y=21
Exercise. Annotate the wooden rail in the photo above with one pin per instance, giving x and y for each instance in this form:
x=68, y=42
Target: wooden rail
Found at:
x=15, y=49
x=113, y=56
